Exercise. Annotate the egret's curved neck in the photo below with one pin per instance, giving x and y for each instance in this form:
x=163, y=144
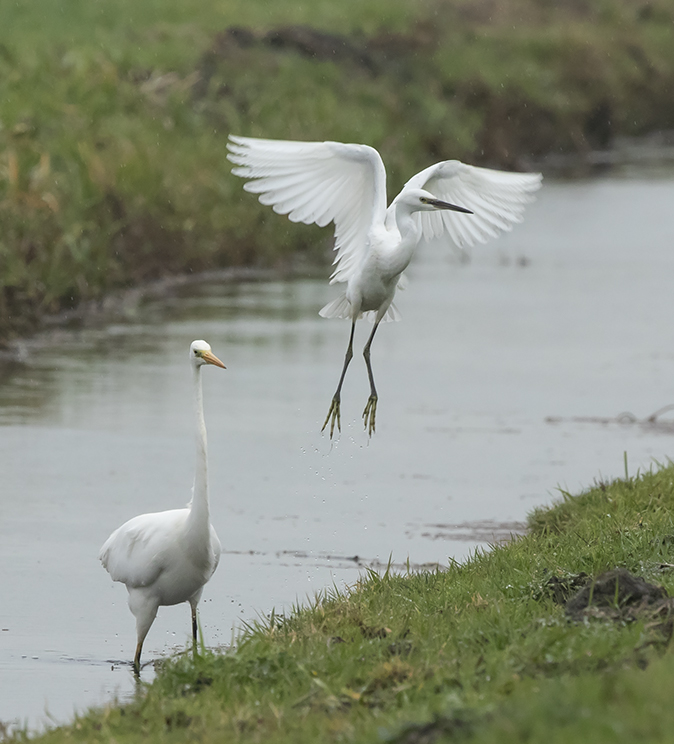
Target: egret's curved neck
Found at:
x=399, y=217
x=408, y=227
x=199, y=504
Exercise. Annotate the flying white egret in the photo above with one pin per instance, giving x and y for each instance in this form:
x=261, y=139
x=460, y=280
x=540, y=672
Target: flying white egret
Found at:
x=323, y=182
x=165, y=558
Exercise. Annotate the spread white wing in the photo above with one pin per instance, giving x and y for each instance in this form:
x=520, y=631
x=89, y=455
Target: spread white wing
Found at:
x=317, y=182
x=496, y=198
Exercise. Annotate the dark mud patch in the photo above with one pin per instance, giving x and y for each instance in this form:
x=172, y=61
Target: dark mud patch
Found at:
x=560, y=587
x=373, y=55
x=620, y=596
x=487, y=531
x=330, y=560
x=454, y=728
x=652, y=423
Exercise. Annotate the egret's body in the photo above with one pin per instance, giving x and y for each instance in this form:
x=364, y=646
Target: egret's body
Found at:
x=323, y=182
x=165, y=558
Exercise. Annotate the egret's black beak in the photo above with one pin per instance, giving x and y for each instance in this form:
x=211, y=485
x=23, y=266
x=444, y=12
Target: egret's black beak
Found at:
x=439, y=204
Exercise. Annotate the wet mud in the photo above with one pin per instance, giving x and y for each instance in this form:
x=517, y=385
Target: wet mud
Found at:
x=620, y=596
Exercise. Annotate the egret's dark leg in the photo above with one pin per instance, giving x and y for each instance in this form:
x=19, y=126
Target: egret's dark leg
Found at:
x=194, y=625
x=136, y=659
x=371, y=408
x=334, y=413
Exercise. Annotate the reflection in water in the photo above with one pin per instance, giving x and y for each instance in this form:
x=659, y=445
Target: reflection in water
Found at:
x=564, y=318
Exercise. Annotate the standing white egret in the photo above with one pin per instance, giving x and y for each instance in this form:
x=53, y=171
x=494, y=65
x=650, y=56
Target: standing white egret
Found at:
x=323, y=182
x=165, y=558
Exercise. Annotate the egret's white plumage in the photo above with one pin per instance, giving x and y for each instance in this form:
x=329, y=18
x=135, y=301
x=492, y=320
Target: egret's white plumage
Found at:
x=323, y=182
x=165, y=558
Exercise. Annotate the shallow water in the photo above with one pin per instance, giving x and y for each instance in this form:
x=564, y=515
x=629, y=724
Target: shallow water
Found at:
x=502, y=383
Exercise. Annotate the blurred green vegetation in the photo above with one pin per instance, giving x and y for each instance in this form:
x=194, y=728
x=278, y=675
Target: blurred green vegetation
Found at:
x=114, y=116
x=482, y=651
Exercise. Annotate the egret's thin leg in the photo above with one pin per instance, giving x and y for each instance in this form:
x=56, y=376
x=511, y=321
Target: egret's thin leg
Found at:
x=136, y=659
x=371, y=407
x=334, y=412
x=194, y=625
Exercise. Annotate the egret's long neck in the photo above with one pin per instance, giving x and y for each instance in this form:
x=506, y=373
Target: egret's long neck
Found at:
x=399, y=217
x=199, y=505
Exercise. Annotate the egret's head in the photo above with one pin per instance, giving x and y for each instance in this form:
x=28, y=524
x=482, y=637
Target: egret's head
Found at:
x=200, y=353
x=424, y=201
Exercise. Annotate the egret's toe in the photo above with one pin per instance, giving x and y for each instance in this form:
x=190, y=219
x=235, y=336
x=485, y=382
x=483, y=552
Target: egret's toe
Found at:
x=333, y=417
x=369, y=414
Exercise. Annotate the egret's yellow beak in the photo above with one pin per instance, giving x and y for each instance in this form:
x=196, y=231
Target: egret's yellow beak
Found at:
x=210, y=358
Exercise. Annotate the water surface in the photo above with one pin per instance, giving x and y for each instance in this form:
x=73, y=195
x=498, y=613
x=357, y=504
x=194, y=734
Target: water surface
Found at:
x=502, y=383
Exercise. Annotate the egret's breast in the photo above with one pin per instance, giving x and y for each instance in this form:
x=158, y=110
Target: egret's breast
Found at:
x=372, y=290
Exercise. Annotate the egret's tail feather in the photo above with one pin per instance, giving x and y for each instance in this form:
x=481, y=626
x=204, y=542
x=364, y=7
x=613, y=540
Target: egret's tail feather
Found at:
x=392, y=315
x=339, y=308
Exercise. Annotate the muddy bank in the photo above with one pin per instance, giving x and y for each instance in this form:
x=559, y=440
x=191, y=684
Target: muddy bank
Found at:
x=125, y=304
x=514, y=126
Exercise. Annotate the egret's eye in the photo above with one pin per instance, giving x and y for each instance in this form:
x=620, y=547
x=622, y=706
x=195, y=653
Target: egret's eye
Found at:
x=423, y=200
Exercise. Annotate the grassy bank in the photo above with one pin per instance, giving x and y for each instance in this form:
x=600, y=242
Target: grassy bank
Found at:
x=484, y=651
x=114, y=116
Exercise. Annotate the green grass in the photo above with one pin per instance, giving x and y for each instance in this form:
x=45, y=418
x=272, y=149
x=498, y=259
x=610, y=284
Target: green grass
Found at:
x=114, y=118
x=479, y=652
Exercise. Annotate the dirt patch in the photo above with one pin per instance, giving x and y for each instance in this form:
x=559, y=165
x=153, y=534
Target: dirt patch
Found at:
x=445, y=727
x=620, y=596
x=373, y=54
x=653, y=422
x=370, y=631
x=560, y=587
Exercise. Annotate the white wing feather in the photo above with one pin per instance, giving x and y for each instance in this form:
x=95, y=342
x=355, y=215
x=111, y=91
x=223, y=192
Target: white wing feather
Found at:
x=497, y=199
x=134, y=553
x=318, y=182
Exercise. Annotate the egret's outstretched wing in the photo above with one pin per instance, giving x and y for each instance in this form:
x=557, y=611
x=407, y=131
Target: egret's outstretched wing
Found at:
x=496, y=198
x=135, y=552
x=317, y=182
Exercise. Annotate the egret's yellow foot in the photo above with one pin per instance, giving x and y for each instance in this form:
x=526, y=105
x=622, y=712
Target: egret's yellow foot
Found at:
x=333, y=417
x=369, y=414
